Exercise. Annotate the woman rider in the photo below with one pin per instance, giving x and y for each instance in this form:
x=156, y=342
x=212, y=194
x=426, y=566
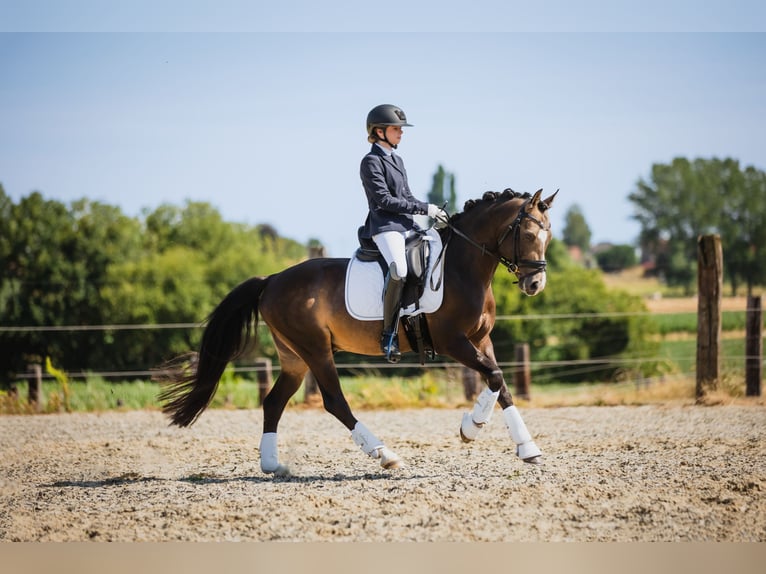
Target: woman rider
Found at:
x=391, y=207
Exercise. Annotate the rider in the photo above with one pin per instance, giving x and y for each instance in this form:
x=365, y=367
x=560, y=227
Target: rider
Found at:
x=392, y=206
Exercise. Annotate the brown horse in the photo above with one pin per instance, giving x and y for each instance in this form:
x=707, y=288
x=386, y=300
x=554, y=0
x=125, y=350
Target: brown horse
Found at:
x=304, y=308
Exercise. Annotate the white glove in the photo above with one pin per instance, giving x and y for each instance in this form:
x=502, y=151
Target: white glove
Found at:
x=437, y=213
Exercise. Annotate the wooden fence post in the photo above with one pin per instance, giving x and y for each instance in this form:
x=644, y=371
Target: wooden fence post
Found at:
x=35, y=390
x=709, y=293
x=263, y=372
x=311, y=389
x=753, y=346
x=472, y=384
x=522, y=373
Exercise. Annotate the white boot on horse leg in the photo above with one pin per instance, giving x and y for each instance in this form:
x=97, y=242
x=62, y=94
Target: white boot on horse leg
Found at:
x=474, y=421
x=374, y=447
x=526, y=449
x=270, y=456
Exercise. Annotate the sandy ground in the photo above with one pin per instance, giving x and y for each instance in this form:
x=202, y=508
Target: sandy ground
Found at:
x=680, y=473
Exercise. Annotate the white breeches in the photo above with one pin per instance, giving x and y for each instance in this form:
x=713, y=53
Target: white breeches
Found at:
x=391, y=246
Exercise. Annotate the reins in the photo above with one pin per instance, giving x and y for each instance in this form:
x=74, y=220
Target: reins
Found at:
x=513, y=266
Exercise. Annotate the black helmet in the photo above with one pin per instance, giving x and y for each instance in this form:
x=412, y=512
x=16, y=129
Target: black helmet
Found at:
x=385, y=115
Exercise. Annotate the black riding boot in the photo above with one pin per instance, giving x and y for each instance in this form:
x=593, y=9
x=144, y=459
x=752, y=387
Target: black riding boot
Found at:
x=392, y=303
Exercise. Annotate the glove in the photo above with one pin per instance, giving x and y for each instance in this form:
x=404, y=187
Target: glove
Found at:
x=437, y=213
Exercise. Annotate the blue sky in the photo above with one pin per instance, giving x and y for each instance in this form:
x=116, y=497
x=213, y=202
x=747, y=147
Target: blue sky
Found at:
x=269, y=126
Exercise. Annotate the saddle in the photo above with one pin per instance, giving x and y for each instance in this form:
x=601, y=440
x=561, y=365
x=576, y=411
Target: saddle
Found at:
x=418, y=253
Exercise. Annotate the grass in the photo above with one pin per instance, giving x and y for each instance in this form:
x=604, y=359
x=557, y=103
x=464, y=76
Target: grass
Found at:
x=435, y=389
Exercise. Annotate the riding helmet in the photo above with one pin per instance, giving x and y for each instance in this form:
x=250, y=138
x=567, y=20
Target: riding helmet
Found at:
x=385, y=115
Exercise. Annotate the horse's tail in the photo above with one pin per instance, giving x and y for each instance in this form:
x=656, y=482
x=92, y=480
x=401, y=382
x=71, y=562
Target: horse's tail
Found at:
x=190, y=381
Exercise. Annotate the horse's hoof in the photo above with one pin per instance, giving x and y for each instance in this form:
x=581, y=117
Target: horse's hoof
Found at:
x=280, y=471
x=534, y=460
x=391, y=464
x=389, y=460
x=469, y=430
x=528, y=451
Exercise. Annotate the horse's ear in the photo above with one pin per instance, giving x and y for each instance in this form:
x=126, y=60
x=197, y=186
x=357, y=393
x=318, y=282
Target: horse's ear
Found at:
x=536, y=198
x=549, y=200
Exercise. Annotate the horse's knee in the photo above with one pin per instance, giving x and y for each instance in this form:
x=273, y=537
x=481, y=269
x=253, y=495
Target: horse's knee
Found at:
x=495, y=381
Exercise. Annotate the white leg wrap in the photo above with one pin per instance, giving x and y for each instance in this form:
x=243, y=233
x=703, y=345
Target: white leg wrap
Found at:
x=270, y=456
x=368, y=442
x=526, y=448
x=481, y=414
x=373, y=446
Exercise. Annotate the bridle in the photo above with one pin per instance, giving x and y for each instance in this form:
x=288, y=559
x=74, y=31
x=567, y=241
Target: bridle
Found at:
x=516, y=264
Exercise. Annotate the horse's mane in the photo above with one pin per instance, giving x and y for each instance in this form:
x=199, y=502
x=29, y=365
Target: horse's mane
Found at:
x=494, y=196
x=490, y=196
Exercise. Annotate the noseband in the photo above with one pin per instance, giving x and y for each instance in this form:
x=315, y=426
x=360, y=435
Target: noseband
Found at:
x=516, y=264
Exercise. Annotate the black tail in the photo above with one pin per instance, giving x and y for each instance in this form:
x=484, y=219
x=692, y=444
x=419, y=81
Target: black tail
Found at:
x=189, y=382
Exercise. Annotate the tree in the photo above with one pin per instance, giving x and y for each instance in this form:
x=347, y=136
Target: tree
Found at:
x=55, y=263
x=443, y=190
x=678, y=203
x=743, y=229
x=616, y=258
x=576, y=231
x=89, y=264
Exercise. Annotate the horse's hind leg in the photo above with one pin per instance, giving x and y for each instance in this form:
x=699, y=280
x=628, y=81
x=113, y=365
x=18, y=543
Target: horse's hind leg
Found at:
x=335, y=403
x=293, y=369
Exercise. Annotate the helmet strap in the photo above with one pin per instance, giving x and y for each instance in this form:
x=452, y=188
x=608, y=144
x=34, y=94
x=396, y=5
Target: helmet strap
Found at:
x=385, y=137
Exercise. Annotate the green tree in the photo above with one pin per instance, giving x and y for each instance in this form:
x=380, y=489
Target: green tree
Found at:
x=616, y=258
x=576, y=231
x=678, y=203
x=89, y=264
x=55, y=260
x=443, y=190
x=686, y=199
x=743, y=228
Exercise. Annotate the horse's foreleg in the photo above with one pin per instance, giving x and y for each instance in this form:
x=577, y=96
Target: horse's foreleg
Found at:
x=484, y=362
x=526, y=448
x=481, y=414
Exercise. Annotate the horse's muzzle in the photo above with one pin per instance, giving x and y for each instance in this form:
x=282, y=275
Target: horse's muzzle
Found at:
x=533, y=283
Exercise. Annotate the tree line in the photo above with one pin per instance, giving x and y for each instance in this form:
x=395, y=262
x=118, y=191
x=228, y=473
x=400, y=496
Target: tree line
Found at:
x=685, y=199
x=88, y=263
x=676, y=204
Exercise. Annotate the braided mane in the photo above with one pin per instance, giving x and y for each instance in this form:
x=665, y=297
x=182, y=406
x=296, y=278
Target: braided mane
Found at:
x=492, y=196
x=488, y=196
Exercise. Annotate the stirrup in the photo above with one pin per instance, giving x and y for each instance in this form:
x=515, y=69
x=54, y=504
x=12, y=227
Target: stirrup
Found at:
x=389, y=344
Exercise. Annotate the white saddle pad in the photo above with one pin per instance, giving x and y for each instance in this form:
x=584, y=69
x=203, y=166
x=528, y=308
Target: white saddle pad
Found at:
x=364, y=286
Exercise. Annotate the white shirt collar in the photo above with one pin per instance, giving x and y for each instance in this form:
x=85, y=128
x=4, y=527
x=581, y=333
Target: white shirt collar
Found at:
x=386, y=151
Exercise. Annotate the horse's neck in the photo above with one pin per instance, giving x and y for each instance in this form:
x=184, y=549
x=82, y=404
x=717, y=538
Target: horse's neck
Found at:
x=481, y=262
x=467, y=262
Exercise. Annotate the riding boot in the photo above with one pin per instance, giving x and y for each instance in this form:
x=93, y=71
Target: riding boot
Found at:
x=392, y=303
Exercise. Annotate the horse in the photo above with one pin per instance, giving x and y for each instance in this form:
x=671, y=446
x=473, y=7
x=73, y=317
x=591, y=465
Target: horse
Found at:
x=304, y=309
